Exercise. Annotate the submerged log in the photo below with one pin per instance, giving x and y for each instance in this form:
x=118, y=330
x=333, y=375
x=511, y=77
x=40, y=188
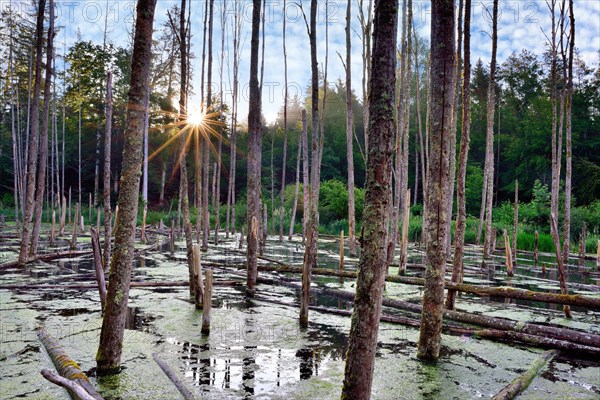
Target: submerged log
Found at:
x=522, y=382
x=504, y=292
x=75, y=390
x=185, y=392
x=133, y=284
x=65, y=365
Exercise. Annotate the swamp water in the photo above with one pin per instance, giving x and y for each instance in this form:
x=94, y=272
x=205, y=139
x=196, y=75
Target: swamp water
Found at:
x=256, y=349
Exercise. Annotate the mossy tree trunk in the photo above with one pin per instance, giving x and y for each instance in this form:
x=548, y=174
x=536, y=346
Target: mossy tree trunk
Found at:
x=360, y=359
x=442, y=95
x=255, y=135
x=108, y=358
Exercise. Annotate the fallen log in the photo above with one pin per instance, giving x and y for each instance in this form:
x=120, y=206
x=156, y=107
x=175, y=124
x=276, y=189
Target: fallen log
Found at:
x=66, y=366
x=504, y=292
x=133, y=284
x=522, y=382
x=492, y=334
x=576, y=337
x=185, y=392
x=75, y=390
x=47, y=257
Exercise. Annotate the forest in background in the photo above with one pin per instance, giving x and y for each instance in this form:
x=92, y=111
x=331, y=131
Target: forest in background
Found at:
x=522, y=133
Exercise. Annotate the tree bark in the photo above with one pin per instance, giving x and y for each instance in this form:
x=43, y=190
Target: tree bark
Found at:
x=350, y=134
x=312, y=226
x=108, y=358
x=207, y=139
x=515, y=222
x=43, y=161
x=295, y=206
x=489, y=143
x=461, y=216
x=33, y=131
x=305, y=176
x=561, y=266
x=360, y=359
x=285, y=109
x=569, y=144
x=106, y=177
x=442, y=95
x=255, y=134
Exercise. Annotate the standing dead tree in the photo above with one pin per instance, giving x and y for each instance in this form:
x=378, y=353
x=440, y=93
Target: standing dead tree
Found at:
x=32, y=157
x=360, y=359
x=442, y=93
x=108, y=358
x=255, y=134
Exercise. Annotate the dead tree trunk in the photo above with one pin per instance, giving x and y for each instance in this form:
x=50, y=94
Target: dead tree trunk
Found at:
x=295, y=206
x=442, y=94
x=312, y=227
x=350, y=134
x=461, y=216
x=489, y=140
x=305, y=179
x=207, y=140
x=108, y=358
x=561, y=266
x=515, y=223
x=569, y=144
x=360, y=359
x=107, y=159
x=255, y=134
x=285, y=108
x=43, y=161
x=32, y=157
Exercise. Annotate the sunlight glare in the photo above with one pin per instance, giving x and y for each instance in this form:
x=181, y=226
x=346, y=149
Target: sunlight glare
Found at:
x=195, y=116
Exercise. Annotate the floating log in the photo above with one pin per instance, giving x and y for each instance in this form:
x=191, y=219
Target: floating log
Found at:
x=522, y=382
x=66, y=366
x=133, y=284
x=207, y=302
x=185, y=392
x=75, y=390
x=574, y=337
x=98, y=266
x=47, y=257
x=504, y=292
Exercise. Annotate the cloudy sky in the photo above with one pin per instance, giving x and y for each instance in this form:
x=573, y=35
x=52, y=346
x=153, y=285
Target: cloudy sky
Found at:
x=521, y=25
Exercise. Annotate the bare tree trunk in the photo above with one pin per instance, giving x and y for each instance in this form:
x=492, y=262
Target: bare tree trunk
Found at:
x=207, y=140
x=515, y=222
x=442, y=94
x=454, y=127
x=312, y=227
x=230, y=219
x=461, y=215
x=107, y=159
x=217, y=204
x=489, y=144
x=360, y=358
x=562, y=278
x=255, y=134
x=108, y=358
x=569, y=145
x=305, y=179
x=350, y=134
x=295, y=206
x=163, y=180
x=28, y=205
x=285, y=108
x=553, y=95
x=366, y=23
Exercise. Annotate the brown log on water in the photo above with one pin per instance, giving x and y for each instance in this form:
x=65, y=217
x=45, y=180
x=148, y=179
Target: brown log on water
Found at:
x=84, y=286
x=505, y=292
x=522, y=382
x=65, y=366
x=47, y=257
x=185, y=392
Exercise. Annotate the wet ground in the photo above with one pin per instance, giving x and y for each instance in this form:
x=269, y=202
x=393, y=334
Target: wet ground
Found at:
x=256, y=349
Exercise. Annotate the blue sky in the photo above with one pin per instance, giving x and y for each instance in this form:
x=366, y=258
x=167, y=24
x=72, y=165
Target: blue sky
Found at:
x=520, y=26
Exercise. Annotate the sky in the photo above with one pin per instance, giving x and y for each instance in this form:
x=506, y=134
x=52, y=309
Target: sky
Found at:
x=522, y=24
